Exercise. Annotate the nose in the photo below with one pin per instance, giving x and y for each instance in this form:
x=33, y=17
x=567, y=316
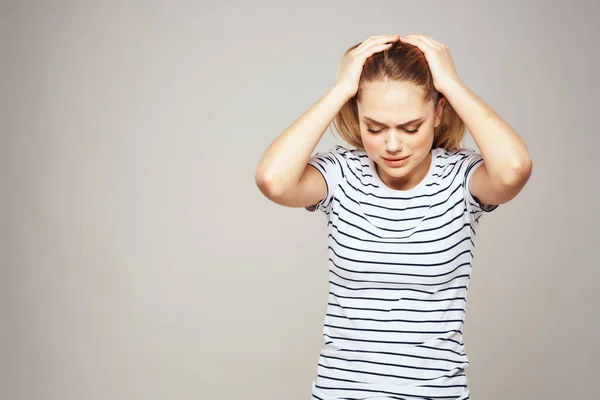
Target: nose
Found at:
x=393, y=143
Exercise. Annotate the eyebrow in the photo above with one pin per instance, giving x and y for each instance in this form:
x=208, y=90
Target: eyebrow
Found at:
x=411, y=122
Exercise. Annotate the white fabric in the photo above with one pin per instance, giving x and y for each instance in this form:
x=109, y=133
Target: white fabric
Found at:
x=399, y=267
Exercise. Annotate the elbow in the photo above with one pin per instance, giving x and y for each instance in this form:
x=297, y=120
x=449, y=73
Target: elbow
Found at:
x=265, y=184
x=519, y=173
x=262, y=182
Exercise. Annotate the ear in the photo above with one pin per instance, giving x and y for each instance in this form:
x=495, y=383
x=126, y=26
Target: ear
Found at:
x=439, y=109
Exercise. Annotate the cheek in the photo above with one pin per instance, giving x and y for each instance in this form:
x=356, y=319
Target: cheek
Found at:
x=425, y=134
x=365, y=136
x=371, y=141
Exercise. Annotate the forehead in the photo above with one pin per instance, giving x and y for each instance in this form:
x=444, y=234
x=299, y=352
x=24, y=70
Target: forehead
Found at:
x=392, y=101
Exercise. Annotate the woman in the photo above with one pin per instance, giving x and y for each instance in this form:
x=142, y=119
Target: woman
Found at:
x=402, y=209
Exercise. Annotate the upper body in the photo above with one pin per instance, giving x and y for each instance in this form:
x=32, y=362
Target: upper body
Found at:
x=402, y=211
x=399, y=267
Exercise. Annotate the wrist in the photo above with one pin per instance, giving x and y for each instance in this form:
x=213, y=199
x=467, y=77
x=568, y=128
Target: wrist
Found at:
x=449, y=86
x=342, y=92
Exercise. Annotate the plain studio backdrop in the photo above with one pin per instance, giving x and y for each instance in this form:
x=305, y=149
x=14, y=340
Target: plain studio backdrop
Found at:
x=140, y=261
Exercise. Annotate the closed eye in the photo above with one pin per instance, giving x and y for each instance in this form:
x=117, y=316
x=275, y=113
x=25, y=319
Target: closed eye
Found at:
x=409, y=131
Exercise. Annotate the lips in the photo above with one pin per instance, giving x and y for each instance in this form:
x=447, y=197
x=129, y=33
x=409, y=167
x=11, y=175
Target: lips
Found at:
x=397, y=162
x=395, y=159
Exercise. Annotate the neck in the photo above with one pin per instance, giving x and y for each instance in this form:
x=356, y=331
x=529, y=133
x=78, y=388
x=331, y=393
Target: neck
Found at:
x=412, y=179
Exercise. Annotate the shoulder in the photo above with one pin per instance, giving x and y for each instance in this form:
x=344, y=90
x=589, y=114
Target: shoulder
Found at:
x=457, y=157
x=350, y=158
x=343, y=151
x=455, y=154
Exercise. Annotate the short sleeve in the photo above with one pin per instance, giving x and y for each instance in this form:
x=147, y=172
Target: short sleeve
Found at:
x=330, y=165
x=473, y=161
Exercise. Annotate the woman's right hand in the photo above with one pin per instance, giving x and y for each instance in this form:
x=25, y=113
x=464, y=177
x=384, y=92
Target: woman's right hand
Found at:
x=352, y=62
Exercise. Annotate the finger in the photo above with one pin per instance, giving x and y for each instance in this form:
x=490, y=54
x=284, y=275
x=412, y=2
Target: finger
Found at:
x=368, y=51
x=428, y=40
x=439, y=44
x=390, y=36
x=432, y=40
x=378, y=39
x=412, y=39
x=416, y=41
x=409, y=37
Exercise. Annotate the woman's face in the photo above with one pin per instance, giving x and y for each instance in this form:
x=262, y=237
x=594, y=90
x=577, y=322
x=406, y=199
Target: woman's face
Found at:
x=387, y=109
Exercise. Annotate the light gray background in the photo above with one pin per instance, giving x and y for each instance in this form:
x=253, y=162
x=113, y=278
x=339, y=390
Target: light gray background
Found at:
x=140, y=261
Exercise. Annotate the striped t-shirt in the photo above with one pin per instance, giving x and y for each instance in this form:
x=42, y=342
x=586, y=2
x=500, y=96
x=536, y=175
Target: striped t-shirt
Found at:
x=399, y=267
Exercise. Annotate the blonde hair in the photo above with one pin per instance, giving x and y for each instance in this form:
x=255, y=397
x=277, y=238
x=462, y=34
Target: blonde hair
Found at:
x=401, y=62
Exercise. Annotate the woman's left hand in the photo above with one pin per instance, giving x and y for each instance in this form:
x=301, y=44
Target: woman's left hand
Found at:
x=438, y=57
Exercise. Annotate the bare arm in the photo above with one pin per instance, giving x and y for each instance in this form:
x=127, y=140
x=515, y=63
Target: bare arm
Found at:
x=283, y=163
x=282, y=173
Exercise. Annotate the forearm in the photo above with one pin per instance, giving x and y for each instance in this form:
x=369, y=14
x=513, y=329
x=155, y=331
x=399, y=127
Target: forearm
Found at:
x=284, y=161
x=505, y=154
